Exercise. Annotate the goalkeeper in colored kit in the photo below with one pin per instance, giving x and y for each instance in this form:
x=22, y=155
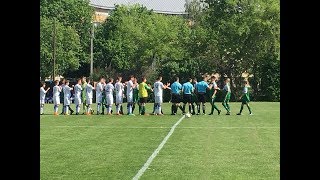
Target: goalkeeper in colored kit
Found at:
x=143, y=94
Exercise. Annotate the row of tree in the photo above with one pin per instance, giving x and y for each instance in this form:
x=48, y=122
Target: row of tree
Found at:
x=227, y=37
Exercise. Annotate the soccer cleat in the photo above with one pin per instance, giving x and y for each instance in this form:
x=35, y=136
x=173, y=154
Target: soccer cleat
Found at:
x=41, y=114
x=131, y=115
x=219, y=111
x=83, y=113
x=251, y=114
x=67, y=114
x=198, y=113
x=238, y=113
x=228, y=113
x=210, y=114
x=204, y=114
x=77, y=113
x=71, y=112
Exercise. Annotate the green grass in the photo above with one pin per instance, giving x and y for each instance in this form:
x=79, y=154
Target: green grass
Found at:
x=201, y=147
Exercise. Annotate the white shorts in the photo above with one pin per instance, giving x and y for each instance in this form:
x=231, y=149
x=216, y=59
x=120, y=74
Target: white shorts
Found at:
x=130, y=97
x=77, y=101
x=41, y=101
x=88, y=101
x=66, y=101
x=158, y=99
x=56, y=100
x=119, y=99
x=109, y=99
x=98, y=98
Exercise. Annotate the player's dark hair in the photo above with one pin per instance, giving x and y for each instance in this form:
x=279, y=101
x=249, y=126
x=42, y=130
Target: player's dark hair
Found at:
x=101, y=77
x=159, y=77
x=195, y=79
x=42, y=83
x=143, y=78
x=213, y=77
x=131, y=76
x=56, y=82
x=67, y=81
x=79, y=79
x=110, y=79
x=189, y=79
x=119, y=77
x=88, y=79
x=176, y=78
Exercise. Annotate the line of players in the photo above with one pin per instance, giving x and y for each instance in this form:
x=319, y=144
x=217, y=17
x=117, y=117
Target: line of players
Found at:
x=191, y=93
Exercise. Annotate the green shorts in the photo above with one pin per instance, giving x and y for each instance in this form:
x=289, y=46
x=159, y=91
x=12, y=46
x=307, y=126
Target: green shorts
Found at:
x=245, y=99
x=227, y=97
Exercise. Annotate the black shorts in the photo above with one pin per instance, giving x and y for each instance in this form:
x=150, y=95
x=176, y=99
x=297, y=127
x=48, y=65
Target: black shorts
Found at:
x=202, y=97
x=175, y=98
x=143, y=100
x=187, y=98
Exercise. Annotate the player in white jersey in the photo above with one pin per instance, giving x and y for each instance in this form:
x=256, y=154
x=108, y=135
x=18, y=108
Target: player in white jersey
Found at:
x=158, y=93
x=56, y=96
x=99, y=88
x=130, y=87
x=89, y=95
x=119, y=88
x=42, y=96
x=109, y=95
x=67, y=95
x=77, y=95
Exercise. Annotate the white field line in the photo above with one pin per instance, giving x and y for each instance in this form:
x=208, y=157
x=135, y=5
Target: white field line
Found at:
x=154, y=154
x=150, y=127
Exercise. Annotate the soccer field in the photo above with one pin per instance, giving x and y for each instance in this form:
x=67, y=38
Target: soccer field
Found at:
x=201, y=147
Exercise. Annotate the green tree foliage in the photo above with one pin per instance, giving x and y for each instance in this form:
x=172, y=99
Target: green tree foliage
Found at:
x=67, y=47
x=136, y=40
x=74, y=15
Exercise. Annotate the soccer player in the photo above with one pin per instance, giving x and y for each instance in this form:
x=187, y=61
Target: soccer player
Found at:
x=89, y=96
x=119, y=88
x=109, y=95
x=187, y=90
x=227, y=95
x=56, y=96
x=158, y=93
x=214, y=91
x=77, y=95
x=83, y=94
x=202, y=87
x=143, y=94
x=135, y=94
x=194, y=96
x=42, y=96
x=67, y=94
x=130, y=89
x=175, y=96
x=99, y=90
x=63, y=83
x=245, y=97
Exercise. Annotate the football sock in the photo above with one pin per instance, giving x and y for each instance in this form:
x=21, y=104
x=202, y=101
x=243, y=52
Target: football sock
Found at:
x=198, y=108
x=41, y=108
x=249, y=108
x=66, y=109
x=241, y=108
x=184, y=108
x=172, y=109
x=77, y=108
x=117, y=108
x=133, y=106
x=190, y=107
x=98, y=107
x=203, y=108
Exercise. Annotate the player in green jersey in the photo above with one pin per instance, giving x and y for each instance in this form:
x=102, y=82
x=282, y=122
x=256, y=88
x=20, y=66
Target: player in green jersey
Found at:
x=213, y=96
x=245, y=97
x=227, y=91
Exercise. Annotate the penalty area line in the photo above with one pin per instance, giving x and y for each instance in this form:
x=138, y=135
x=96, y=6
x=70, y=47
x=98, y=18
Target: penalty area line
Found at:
x=155, y=153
